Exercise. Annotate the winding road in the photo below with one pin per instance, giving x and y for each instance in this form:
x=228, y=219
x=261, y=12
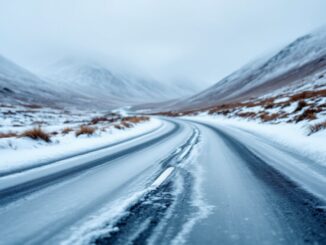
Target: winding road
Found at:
x=187, y=182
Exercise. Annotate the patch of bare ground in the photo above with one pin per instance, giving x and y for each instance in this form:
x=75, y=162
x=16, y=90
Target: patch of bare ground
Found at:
x=317, y=127
x=85, y=130
x=36, y=134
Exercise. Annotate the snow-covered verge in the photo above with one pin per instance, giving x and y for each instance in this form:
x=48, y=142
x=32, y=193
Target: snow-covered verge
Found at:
x=70, y=133
x=289, y=136
x=297, y=105
x=307, y=106
x=300, y=108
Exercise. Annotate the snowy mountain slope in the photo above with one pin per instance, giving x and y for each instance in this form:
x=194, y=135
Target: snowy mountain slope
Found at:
x=18, y=84
x=303, y=61
x=91, y=78
x=79, y=84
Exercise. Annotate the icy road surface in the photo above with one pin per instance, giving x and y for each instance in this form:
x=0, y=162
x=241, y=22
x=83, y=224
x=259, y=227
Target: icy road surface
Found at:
x=191, y=182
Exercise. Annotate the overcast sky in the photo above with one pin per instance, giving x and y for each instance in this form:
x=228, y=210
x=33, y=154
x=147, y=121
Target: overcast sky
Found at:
x=173, y=40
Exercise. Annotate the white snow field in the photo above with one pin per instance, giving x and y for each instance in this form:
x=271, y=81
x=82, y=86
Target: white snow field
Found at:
x=19, y=153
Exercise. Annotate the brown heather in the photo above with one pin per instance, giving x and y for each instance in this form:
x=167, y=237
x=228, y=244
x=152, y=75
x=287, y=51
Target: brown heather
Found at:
x=36, y=134
x=7, y=135
x=85, y=130
x=317, y=127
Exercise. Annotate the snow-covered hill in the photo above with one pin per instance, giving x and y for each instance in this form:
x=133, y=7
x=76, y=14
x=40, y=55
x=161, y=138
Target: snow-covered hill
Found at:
x=299, y=64
x=94, y=79
x=18, y=84
x=81, y=83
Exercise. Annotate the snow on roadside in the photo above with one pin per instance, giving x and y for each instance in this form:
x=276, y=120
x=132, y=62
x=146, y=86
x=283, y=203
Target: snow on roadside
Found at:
x=292, y=137
x=18, y=152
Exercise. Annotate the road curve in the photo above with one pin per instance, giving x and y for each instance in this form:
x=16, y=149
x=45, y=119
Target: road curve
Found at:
x=13, y=184
x=230, y=194
x=42, y=205
x=192, y=183
x=254, y=203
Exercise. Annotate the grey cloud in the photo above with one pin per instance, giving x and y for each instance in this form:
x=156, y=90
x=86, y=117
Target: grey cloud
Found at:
x=172, y=40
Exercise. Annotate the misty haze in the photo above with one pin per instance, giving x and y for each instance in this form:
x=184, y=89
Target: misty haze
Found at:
x=162, y=122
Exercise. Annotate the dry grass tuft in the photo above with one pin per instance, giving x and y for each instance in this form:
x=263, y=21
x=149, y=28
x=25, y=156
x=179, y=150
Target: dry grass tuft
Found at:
x=117, y=126
x=301, y=105
x=246, y=114
x=225, y=112
x=269, y=106
x=7, y=135
x=110, y=118
x=308, y=114
x=97, y=120
x=171, y=113
x=308, y=94
x=307, y=108
x=126, y=125
x=85, y=130
x=128, y=122
x=135, y=119
x=265, y=117
x=66, y=130
x=36, y=134
x=317, y=127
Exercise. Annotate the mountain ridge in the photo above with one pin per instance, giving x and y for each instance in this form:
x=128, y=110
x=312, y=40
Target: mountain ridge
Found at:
x=302, y=59
x=90, y=84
